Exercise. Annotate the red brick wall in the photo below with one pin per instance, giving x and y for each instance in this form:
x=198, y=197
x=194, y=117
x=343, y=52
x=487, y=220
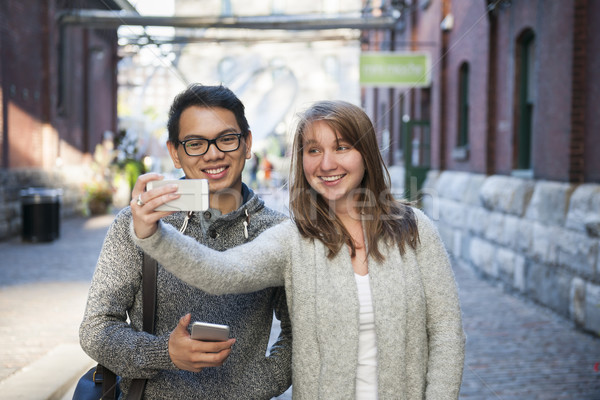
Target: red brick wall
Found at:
x=22, y=80
x=503, y=89
x=35, y=126
x=592, y=93
x=561, y=125
x=578, y=109
x=552, y=119
x=565, y=128
x=467, y=43
x=427, y=36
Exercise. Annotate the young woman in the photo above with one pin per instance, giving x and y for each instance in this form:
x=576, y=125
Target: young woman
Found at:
x=370, y=290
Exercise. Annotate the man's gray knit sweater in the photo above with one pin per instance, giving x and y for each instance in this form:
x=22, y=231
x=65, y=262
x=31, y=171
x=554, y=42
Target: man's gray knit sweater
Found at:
x=115, y=295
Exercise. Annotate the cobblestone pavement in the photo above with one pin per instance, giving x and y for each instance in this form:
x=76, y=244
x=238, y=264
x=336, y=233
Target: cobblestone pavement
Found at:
x=519, y=350
x=43, y=289
x=515, y=349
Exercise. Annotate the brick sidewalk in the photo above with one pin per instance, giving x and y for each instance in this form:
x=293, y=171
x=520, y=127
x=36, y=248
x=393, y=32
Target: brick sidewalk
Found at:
x=43, y=290
x=519, y=350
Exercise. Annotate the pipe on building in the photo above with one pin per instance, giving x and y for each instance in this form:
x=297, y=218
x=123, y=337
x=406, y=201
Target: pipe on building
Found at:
x=114, y=19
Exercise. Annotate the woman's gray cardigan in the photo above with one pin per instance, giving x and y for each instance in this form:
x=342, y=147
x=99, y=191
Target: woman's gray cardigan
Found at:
x=420, y=340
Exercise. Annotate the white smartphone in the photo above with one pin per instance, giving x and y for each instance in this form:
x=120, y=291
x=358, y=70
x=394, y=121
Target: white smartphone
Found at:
x=209, y=332
x=194, y=194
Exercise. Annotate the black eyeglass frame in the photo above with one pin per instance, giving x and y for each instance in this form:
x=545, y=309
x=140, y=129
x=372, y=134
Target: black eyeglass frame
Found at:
x=212, y=141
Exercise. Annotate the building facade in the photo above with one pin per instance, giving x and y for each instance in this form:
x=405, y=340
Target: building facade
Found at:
x=275, y=72
x=502, y=146
x=58, y=100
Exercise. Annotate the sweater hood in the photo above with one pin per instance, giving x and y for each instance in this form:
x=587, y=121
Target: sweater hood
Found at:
x=251, y=204
x=234, y=228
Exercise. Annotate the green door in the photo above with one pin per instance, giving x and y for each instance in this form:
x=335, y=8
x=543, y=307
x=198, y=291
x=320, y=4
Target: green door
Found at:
x=417, y=156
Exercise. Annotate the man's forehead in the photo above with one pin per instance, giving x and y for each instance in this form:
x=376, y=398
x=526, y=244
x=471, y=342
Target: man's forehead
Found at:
x=207, y=122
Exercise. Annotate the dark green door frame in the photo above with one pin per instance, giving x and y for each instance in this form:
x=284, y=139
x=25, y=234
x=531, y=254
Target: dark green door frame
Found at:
x=417, y=156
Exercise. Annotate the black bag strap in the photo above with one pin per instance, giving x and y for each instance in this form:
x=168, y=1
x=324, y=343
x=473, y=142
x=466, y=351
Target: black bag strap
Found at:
x=149, y=292
x=136, y=391
x=109, y=382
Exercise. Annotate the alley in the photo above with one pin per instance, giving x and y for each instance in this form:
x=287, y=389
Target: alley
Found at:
x=515, y=349
x=519, y=350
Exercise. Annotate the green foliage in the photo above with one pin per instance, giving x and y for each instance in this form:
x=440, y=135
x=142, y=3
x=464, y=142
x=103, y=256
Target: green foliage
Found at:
x=133, y=169
x=100, y=191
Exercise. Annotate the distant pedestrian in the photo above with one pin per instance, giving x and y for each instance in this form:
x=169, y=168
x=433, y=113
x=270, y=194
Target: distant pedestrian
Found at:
x=267, y=168
x=254, y=166
x=371, y=293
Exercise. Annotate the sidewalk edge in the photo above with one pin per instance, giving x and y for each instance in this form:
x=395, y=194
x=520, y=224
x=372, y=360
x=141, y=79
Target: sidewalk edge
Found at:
x=50, y=377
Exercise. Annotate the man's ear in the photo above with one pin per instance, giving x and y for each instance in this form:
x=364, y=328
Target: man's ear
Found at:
x=174, y=154
x=248, y=140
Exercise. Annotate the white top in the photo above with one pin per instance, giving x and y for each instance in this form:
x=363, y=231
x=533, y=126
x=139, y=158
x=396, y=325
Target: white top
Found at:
x=366, y=371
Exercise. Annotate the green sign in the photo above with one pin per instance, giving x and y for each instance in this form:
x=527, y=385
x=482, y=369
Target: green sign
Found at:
x=395, y=69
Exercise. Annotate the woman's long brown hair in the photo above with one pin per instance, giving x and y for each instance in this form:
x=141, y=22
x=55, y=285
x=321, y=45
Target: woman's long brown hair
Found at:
x=383, y=216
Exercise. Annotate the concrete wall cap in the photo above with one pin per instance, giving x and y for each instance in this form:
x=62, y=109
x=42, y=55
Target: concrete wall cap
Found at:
x=584, y=209
x=550, y=202
x=506, y=194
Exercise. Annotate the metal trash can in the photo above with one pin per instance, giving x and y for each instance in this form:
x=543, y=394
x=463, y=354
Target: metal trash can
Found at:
x=40, y=214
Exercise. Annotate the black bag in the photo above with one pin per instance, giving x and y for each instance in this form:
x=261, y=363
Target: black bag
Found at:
x=101, y=383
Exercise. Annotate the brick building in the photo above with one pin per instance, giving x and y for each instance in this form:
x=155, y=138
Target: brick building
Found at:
x=58, y=98
x=503, y=144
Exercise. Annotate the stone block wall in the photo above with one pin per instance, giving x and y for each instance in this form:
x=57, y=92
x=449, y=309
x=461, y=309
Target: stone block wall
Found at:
x=540, y=238
x=14, y=180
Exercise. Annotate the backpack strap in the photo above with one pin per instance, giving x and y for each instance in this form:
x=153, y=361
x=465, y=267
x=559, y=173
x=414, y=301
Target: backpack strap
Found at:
x=149, y=273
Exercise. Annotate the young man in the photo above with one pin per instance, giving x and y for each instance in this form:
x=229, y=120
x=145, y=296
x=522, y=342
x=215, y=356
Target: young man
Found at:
x=209, y=138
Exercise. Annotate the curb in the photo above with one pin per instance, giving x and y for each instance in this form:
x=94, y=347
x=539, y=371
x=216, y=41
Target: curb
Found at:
x=49, y=378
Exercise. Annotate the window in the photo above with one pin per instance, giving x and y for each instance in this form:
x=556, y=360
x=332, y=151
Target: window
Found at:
x=525, y=89
x=401, y=126
x=461, y=151
x=463, y=106
x=278, y=7
x=227, y=69
x=226, y=9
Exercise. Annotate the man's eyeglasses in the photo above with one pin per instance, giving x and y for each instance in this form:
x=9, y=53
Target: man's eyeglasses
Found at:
x=199, y=147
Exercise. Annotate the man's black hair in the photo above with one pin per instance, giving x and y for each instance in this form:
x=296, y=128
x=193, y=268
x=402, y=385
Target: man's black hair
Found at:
x=205, y=96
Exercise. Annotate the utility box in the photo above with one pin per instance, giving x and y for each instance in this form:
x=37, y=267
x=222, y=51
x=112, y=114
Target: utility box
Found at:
x=40, y=214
